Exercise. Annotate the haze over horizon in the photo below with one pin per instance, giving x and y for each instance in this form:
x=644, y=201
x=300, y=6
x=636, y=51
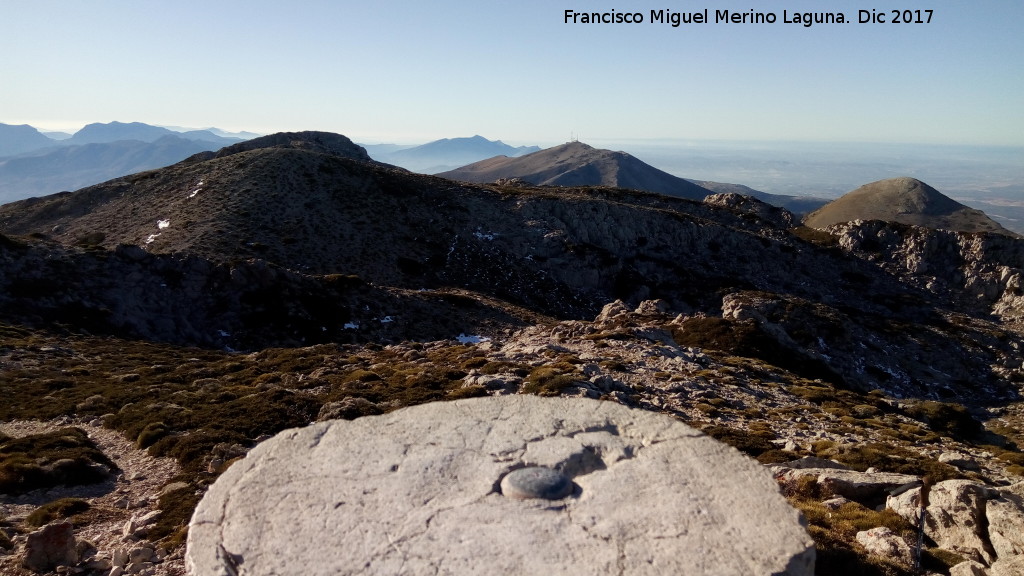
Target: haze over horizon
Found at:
x=399, y=71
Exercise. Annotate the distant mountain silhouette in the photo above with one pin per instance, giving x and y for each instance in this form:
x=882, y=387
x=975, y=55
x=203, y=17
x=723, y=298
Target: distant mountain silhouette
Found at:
x=907, y=201
x=98, y=133
x=577, y=164
x=95, y=153
x=20, y=139
x=449, y=153
x=72, y=167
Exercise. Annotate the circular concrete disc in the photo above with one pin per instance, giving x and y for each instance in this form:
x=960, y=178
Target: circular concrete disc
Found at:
x=417, y=491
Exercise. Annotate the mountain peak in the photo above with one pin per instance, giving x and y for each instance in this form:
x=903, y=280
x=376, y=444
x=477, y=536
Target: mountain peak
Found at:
x=905, y=200
x=323, y=142
x=578, y=164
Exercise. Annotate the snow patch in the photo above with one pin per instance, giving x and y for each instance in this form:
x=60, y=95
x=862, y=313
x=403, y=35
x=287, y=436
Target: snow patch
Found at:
x=198, y=189
x=161, y=224
x=472, y=339
x=386, y=320
x=152, y=237
x=351, y=326
x=223, y=334
x=484, y=235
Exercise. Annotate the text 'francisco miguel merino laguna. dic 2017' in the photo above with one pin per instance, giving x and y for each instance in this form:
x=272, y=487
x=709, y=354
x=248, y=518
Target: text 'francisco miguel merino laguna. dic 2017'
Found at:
x=806, y=19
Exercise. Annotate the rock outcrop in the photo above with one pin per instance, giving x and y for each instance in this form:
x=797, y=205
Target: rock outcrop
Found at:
x=417, y=491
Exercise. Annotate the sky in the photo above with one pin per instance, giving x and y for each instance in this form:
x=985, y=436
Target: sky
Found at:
x=411, y=71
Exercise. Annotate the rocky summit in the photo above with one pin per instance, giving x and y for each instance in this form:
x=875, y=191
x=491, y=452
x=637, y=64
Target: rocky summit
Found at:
x=196, y=310
x=907, y=201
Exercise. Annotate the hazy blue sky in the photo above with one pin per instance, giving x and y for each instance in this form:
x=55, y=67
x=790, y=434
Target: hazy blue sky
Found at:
x=416, y=70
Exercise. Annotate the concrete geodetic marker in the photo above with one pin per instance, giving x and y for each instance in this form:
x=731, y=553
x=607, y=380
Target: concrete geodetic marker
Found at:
x=419, y=491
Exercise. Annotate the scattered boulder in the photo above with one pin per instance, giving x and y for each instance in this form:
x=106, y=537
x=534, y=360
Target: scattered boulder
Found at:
x=51, y=546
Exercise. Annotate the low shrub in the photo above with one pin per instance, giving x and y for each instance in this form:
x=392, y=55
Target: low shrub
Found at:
x=550, y=380
x=64, y=456
x=753, y=442
x=950, y=419
x=56, y=510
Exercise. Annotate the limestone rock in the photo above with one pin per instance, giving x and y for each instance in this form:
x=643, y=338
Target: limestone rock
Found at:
x=968, y=568
x=956, y=516
x=849, y=483
x=610, y=311
x=1010, y=566
x=652, y=308
x=958, y=459
x=1005, y=517
x=883, y=542
x=417, y=491
x=814, y=462
x=51, y=546
x=835, y=503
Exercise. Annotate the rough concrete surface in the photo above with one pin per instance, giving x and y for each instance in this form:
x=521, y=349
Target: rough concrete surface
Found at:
x=417, y=491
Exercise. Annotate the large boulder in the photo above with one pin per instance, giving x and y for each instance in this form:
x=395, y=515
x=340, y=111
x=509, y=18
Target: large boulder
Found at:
x=429, y=490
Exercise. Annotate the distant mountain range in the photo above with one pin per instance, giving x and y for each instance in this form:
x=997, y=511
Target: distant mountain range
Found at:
x=907, y=201
x=445, y=154
x=33, y=164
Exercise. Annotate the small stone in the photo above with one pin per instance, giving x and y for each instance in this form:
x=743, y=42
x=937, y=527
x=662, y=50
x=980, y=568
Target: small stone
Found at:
x=536, y=482
x=835, y=503
x=149, y=518
x=140, y=554
x=173, y=486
